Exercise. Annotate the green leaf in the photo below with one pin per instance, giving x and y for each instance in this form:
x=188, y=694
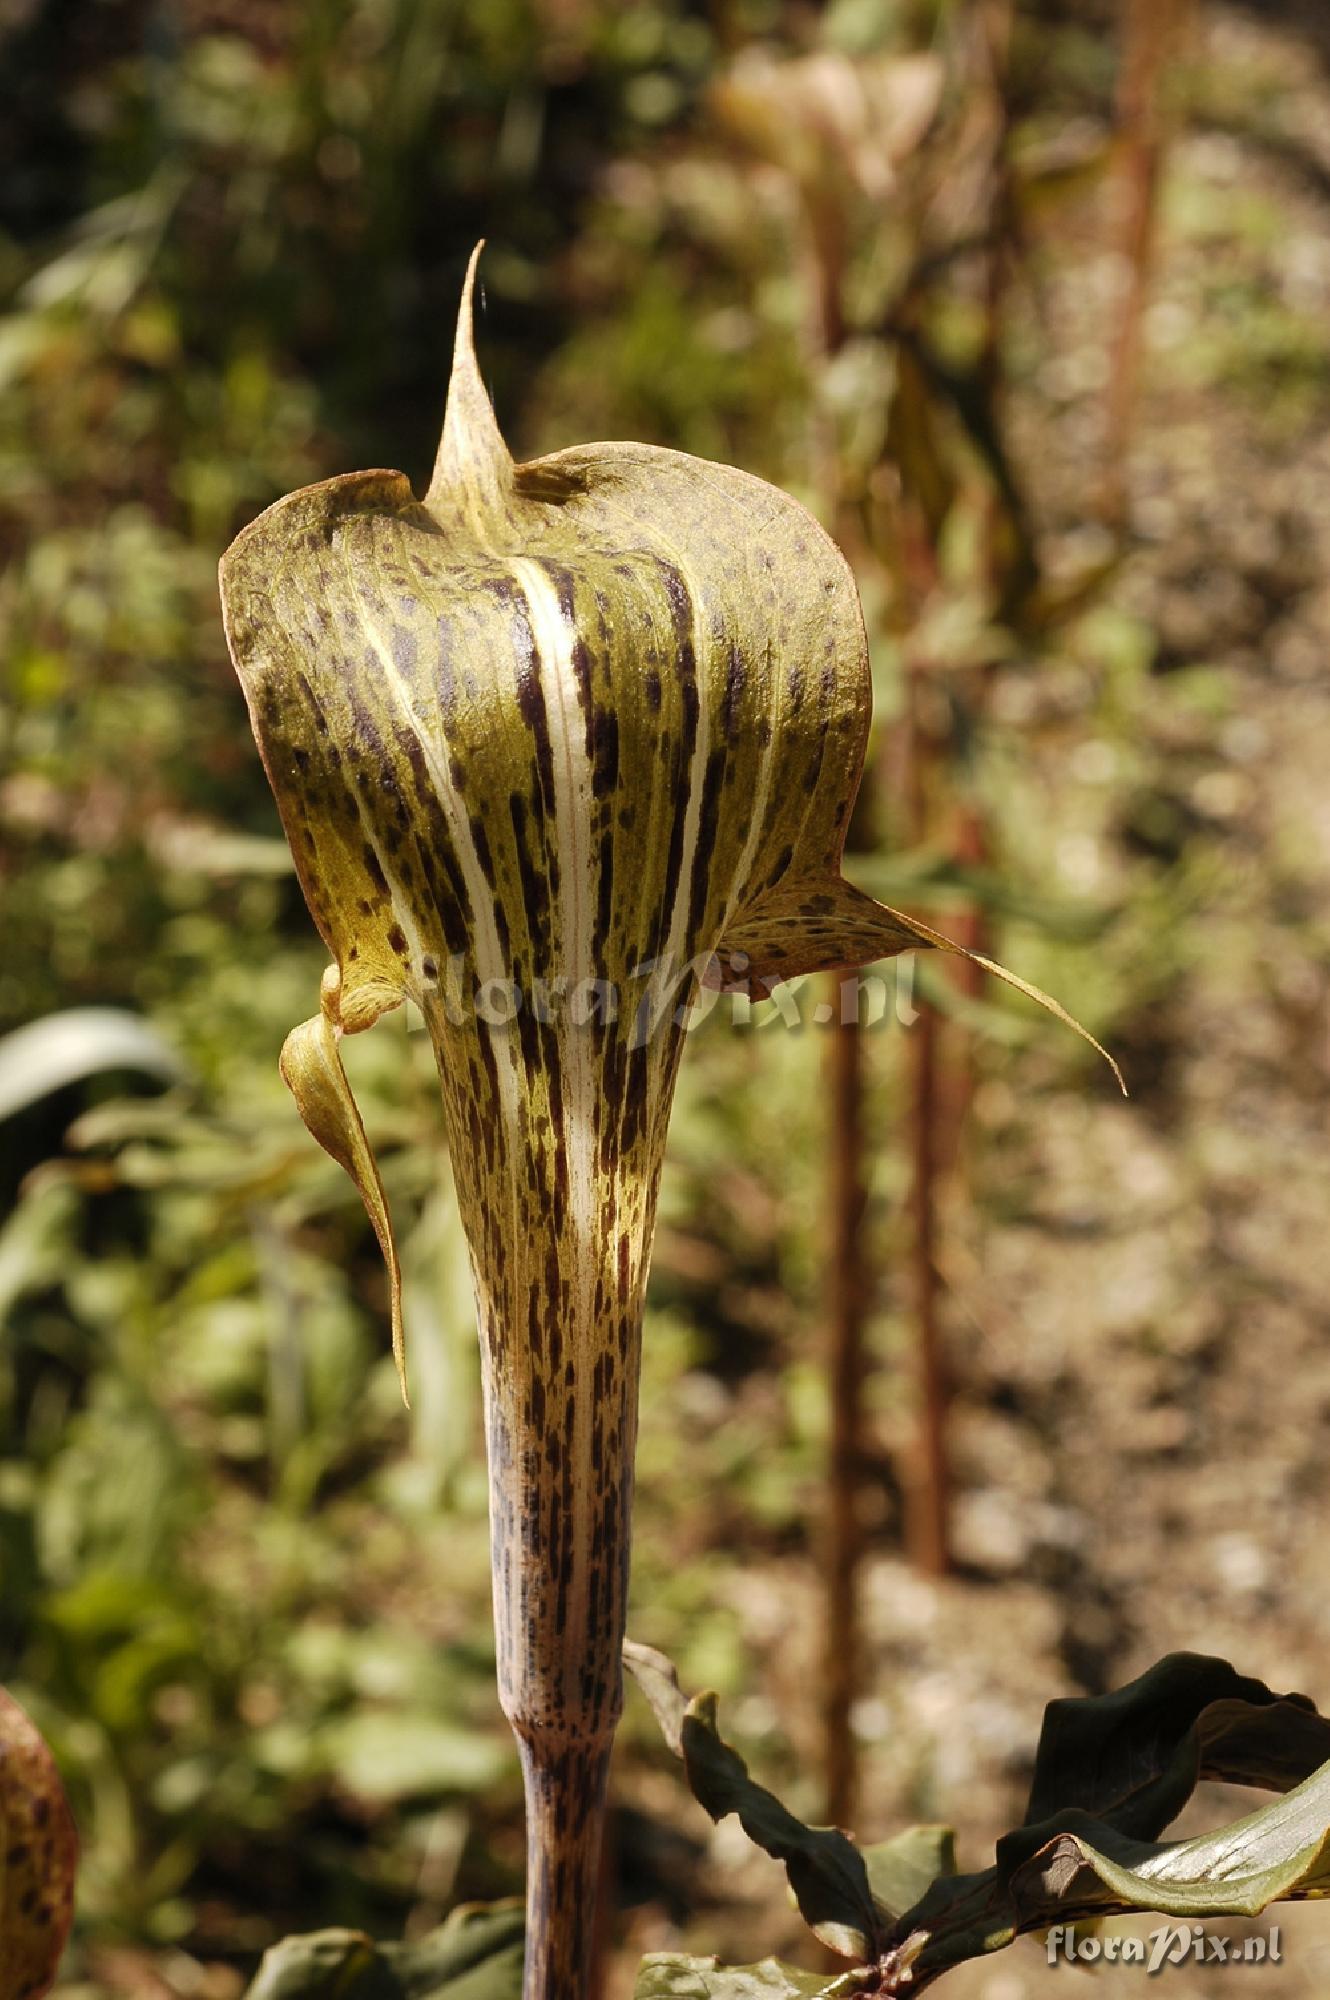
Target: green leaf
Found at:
x=1082, y=1867
x=1111, y=1772
x=38, y=1858
x=1135, y=1756
x=65, y=1048
x=903, y=1869
x=475, y=1955
x=667, y=1975
x=1279, y=1853
x=397, y=1754
x=825, y=1868
x=324, y=1965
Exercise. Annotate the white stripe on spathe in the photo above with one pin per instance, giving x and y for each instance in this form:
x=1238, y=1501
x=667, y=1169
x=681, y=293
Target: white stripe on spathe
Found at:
x=490, y=963
x=554, y=637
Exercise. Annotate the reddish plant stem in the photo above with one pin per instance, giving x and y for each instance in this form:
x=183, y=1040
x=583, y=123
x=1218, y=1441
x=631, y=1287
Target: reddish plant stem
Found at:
x=846, y=1287
x=1153, y=31
x=928, y=1484
x=847, y=1363
x=928, y=1490
x=930, y=1497
x=968, y=928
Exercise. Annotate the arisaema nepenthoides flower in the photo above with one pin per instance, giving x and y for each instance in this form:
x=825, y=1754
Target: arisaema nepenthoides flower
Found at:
x=545, y=743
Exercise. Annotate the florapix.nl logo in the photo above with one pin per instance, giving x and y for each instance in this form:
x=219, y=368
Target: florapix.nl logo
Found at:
x=661, y=991
x=1167, y=1946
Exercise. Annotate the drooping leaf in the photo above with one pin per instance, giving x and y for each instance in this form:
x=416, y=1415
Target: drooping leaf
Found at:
x=825, y=1868
x=1111, y=1772
x=475, y=1955
x=658, y=1679
x=1135, y=1756
x=38, y=1858
x=1075, y=1866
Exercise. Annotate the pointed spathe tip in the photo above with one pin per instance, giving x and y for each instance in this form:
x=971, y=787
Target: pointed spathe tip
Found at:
x=464, y=347
x=473, y=472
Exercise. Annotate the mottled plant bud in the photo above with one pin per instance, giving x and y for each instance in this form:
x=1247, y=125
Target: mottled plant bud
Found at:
x=38, y=1859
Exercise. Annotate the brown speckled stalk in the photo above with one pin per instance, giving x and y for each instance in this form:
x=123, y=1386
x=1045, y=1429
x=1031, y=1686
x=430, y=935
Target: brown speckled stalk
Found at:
x=565, y=1810
x=560, y=1321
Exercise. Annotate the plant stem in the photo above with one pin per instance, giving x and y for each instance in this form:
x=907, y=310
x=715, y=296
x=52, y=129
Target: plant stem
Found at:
x=847, y=1363
x=928, y=1522
x=565, y=1810
x=1153, y=31
x=930, y=1513
x=561, y=1442
x=560, y=1232
x=846, y=1285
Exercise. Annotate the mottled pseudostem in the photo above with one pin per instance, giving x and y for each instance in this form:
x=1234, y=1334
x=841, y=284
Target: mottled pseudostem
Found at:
x=547, y=744
x=560, y=1308
x=565, y=1810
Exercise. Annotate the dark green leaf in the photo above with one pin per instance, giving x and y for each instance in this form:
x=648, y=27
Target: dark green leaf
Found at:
x=1135, y=1756
x=1086, y=1868
x=825, y=1868
x=1111, y=1773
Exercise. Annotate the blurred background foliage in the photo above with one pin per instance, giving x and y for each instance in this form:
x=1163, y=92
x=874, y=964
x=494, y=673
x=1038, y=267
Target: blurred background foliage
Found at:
x=874, y=251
